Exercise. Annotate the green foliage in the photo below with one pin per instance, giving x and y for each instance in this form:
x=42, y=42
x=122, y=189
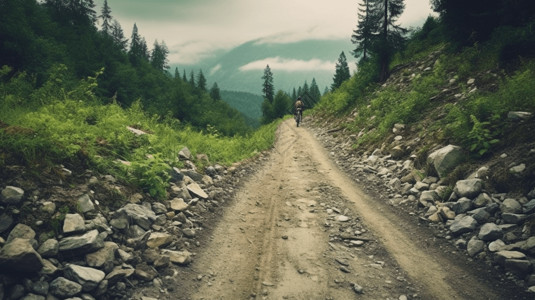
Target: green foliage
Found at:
x=480, y=137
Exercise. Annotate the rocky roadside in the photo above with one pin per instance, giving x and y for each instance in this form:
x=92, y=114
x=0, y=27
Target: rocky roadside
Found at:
x=88, y=237
x=496, y=230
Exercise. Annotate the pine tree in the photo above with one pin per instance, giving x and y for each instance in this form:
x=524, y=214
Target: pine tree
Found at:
x=342, y=72
x=192, y=79
x=117, y=35
x=267, y=87
x=177, y=74
x=106, y=18
x=159, y=56
x=201, y=81
x=367, y=28
x=184, y=77
x=215, y=93
x=136, y=49
x=315, y=93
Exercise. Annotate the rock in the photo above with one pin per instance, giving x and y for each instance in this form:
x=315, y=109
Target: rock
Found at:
x=64, y=288
x=490, y=232
x=189, y=232
x=88, y=278
x=178, y=204
x=6, y=221
x=49, y=248
x=85, y=204
x=197, y=190
x=496, y=246
x=159, y=208
x=519, y=115
x=184, y=154
x=48, y=207
x=39, y=287
x=158, y=239
x=103, y=256
x=475, y=246
x=468, y=188
x=510, y=218
x=520, y=267
x=462, y=225
x=20, y=256
x=85, y=243
x=48, y=268
x=482, y=200
x=342, y=218
x=481, y=215
x=21, y=231
x=192, y=175
x=178, y=257
x=145, y=272
x=118, y=274
x=526, y=208
x=11, y=195
x=510, y=205
x=428, y=198
x=73, y=223
x=446, y=159
x=517, y=170
x=502, y=256
x=462, y=205
x=139, y=214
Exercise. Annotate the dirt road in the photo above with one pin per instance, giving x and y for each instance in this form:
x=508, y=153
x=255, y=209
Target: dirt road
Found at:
x=301, y=229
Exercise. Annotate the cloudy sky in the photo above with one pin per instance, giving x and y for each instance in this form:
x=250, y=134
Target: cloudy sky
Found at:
x=194, y=29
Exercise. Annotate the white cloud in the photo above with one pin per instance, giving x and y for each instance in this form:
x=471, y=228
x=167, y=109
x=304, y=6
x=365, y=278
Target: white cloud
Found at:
x=289, y=65
x=215, y=69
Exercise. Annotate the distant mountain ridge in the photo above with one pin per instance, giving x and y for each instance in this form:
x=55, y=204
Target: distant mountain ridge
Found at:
x=247, y=103
x=224, y=68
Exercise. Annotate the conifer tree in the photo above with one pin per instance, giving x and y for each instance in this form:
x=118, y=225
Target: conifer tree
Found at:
x=315, y=93
x=184, y=77
x=106, y=18
x=136, y=49
x=268, y=89
x=159, y=56
x=215, y=93
x=341, y=73
x=192, y=79
x=201, y=81
x=177, y=74
x=367, y=28
x=117, y=35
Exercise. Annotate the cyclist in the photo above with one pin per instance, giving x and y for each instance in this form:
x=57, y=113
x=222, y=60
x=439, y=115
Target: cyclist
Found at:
x=298, y=110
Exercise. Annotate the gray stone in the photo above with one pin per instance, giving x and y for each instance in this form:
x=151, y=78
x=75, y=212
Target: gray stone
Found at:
x=527, y=208
x=502, y=256
x=468, y=188
x=21, y=231
x=178, y=204
x=159, y=208
x=73, y=223
x=481, y=215
x=48, y=207
x=482, y=200
x=519, y=115
x=475, y=246
x=31, y=296
x=85, y=243
x=428, y=198
x=197, y=190
x=462, y=205
x=490, y=232
x=19, y=255
x=463, y=224
x=49, y=248
x=510, y=218
x=139, y=214
x=158, y=239
x=178, y=257
x=510, y=205
x=520, y=267
x=118, y=274
x=102, y=256
x=184, y=154
x=421, y=186
x=497, y=245
x=64, y=288
x=85, y=204
x=446, y=159
x=39, y=287
x=6, y=221
x=517, y=170
x=88, y=278
x=12, y=195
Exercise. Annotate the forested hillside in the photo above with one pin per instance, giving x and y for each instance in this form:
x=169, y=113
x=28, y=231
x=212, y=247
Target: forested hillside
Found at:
x=55, y=38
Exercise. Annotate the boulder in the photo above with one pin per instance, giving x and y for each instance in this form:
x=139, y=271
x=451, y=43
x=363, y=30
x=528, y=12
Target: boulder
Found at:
x=510, y=205
x=178, y=204
x=64, y=288
x=475, y=246
x=490, y=232
x=462, y=205
x=88, y=278
x=103, y=256
x=197, y=190
x=158, y=239
x=19, y=255
x=49, y=248
x=85, y=243
x=85, y=204
x=184, y=154
x=446, y=159
x=6, y=221
x=11, y=195
x=463, y=224
x=139, y=214
x=21, y=231
x=468, y=188
x=73, y=223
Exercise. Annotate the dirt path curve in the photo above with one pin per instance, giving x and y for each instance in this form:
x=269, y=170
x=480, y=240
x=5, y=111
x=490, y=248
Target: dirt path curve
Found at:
x=301, y=229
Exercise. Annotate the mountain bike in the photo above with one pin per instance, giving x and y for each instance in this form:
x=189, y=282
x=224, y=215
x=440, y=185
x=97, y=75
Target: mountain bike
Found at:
x=298, y=116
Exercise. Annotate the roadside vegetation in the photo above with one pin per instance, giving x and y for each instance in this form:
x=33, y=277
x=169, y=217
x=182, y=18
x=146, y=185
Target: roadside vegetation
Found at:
x=473, y=118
